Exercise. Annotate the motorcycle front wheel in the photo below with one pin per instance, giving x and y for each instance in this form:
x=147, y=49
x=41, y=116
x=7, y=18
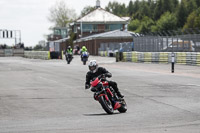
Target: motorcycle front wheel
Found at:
x=106, y=105
x=68, y=61
x=123, y=107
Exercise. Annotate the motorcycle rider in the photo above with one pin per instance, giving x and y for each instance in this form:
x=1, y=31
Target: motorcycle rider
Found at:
x=69, y=50
x=83, y=49
x=95, y=71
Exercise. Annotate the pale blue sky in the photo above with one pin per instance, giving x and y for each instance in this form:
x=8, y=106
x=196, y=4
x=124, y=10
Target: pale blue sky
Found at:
x=30, y=16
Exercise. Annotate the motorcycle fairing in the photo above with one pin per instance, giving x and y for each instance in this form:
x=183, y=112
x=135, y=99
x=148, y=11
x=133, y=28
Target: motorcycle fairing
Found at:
x=95, y=82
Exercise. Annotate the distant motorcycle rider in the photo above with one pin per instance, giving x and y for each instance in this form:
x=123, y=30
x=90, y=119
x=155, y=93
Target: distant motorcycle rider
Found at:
x=69, y=50
x=83, y=49
x=95, y=71
x=69, y=54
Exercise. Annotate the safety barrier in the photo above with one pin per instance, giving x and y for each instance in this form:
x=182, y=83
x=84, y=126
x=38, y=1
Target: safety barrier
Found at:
x=37, y=54
x=11, y=52
x=28, y=54
x=18, y=52
x=107, y=53
x=134, y=57
x=198, y=59
x=181, y=58
x=103, y=53
x=155, y=57
x=186, y=58
x=1, y=52
x=147, y=57
x=140, y=57
x=163, y=57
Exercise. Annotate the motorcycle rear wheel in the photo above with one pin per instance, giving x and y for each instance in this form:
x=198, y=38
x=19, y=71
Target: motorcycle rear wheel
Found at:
x=106, y=105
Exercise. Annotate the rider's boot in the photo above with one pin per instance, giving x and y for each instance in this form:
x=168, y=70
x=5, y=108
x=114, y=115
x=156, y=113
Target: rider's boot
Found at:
x=119, y=94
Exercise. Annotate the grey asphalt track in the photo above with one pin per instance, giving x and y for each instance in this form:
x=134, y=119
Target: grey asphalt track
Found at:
x=48, y=96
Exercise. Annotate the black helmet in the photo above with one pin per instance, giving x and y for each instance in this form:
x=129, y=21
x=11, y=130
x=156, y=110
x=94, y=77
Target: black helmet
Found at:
x=93, y=66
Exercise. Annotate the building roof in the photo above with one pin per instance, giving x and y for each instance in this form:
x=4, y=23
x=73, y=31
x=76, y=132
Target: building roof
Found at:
x=108, y=35
x=126, y=18
x=61, y=40
x=101, y=15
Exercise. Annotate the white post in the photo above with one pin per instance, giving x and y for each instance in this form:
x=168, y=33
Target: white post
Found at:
x=81, y=29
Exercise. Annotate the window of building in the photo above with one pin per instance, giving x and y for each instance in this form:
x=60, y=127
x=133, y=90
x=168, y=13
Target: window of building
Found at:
x=95, y=27
x=110, y=27
x=75, y=29
x=57, y=32
x=64, y=33
x=87, y=27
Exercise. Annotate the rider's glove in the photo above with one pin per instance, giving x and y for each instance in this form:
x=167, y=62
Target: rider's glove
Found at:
x=93, y=89
x=87, y=86
x=108, y=75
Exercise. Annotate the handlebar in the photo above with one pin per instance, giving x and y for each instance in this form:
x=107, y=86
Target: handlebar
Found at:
x=102, y=76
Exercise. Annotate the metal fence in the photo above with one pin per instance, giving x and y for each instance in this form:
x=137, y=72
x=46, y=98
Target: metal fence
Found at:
x=116, y=46
x=168, y=41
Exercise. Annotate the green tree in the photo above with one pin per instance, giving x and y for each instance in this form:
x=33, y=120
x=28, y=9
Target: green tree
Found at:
x=154, y=28
x=116, y=8
x=71, y=39
x=166, y=22
x=87, y=10
x=152, y=5
x=168, y=5
x=149, y=2
x=38, y=47
x=134, y=24
x=136, y=6
x=197, y=3
x=181, y=14
x=145, y=9
x=130, y=8
x=123, y=10
x=158, y=9
x=145, y=25
x=193, y=20
x=175, y=3
x=191, y=6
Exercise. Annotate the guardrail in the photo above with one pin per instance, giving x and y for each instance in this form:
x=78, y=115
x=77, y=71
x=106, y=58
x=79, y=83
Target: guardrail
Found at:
x=27, y=54
x=18, y=52
x=37, y=54
x=11, y=52
x=103, y=53
x=1, y=52
x=186, y=58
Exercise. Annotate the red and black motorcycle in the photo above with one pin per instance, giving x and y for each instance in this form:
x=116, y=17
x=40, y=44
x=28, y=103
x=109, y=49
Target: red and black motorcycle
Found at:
x=106, y=96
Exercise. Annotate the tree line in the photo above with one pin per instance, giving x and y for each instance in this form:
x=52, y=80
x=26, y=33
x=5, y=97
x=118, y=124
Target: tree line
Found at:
x=158, y=15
